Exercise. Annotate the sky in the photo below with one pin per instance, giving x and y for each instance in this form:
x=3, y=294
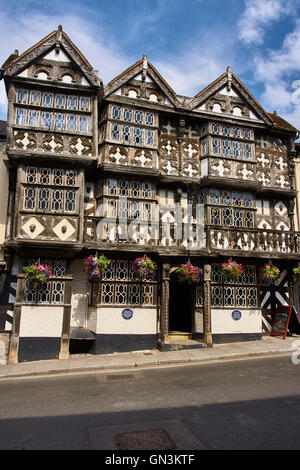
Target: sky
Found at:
x=190, y=42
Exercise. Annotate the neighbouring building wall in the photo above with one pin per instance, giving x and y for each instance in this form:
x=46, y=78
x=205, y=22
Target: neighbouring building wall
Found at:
x=3, y=191
x=297, y=184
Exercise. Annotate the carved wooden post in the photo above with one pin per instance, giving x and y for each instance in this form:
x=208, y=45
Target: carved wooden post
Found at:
x=207, y=305
x=164, y=313
x=14, y=340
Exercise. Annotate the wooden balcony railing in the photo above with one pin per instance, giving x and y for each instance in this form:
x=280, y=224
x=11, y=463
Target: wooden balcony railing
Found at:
x=191, y=237
x=258, y=240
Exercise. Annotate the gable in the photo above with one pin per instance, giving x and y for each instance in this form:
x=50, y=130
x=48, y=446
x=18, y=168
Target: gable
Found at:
x=142, y=81
x=228, y=96
x=54, y=58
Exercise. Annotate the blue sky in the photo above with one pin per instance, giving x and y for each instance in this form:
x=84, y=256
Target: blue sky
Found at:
x=190, y=42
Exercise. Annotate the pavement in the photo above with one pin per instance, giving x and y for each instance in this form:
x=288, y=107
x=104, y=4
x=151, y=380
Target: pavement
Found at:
x=85, y=363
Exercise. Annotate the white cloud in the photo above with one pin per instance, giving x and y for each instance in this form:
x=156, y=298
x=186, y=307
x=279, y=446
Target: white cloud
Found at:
x=25, y=29
x=279, y=71
x=258, y=15
x=198, y=63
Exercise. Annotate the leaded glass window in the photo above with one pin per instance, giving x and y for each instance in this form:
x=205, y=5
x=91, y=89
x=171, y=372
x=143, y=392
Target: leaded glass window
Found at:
x=134, y=294
x=127, y=114
x=72, y=102
x=239, y=293
x=44, y=293
x=123, y=288
x=59, y=121
x=227, y=216
x=216, y=145
x=116, y=112
x=71, y=122
x=135, y=187
x=138, y=117
x=215, y=128
x=44, y=197
x=29, y=198
x=70, y=201
x=238, y=218
x=248, y=200
x=33, y=118
x=107, y=293
x=35, y=97
x=22, y=96
x=84, y=124
x=147, y=294
x=126, y=134
x=249, y=219
x=48, y=99
x=121, y=294
x=112, y=208
x=237, y=149
x=57, y=200
x=44, y=175
x=247, y=150
x=227, y=147
x=149, y=118
x=246, y=133
x=31, y=174
x=137, y=136
x=21, y=115
x=215, y=216
x=147, y=190
x=71, y=176
x=217, y=297
x=58, y=176
x=58, y=290
x=149, y=137
x=46, y=120
x=214, y=196
x=226, y=130
x=123, y=188
x=122, y=270
x=229, y=296
x=237, y=199
x=115, y=131
x=51, y=291
x=60, y=101
x=112, y=187
x=85, y=103
x=135, y=210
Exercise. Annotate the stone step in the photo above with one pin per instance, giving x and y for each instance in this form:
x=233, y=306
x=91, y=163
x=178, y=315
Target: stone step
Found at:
x=177, y=344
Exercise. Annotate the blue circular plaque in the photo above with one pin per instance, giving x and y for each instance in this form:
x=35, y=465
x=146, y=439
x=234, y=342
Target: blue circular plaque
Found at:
x=127, y=313
x=236, y=314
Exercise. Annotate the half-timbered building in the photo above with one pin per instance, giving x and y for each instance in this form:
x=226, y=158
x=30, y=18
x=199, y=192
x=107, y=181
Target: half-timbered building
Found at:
x=132, y=168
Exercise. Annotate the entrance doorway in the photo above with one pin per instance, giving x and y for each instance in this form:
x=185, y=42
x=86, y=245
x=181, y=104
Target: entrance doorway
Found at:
x=181, y=305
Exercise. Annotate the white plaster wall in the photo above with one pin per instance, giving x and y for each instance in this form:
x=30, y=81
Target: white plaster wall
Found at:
x=222, y=321
x=110, y=321
x=41, y=321
x=79, y=294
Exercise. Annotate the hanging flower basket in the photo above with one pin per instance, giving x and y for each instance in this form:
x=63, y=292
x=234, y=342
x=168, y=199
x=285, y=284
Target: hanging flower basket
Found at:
x=232, y=269
x=269, y=273
x=189, y=273
x=297, y=274
x=37, y=273
x=144, y=268
x=96, y=266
